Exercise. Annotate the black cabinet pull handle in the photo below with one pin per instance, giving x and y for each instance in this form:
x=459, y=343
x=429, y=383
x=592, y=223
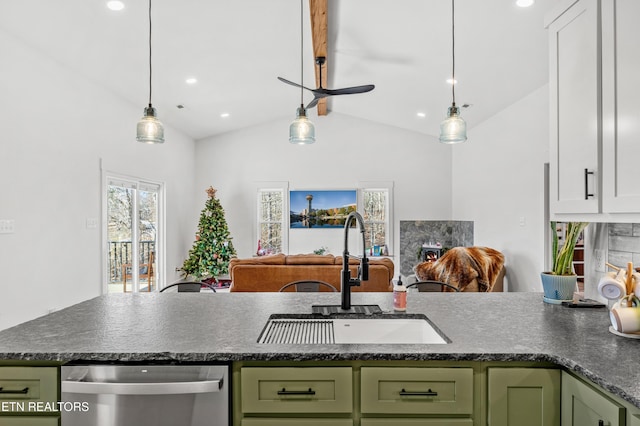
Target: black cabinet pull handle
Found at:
x=586, y=184
x=600, y=422
x=17, y=391
x=427, y=393
x=286, y=392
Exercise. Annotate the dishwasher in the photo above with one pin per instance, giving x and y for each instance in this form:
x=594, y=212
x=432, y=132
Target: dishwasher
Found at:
x=134, y=395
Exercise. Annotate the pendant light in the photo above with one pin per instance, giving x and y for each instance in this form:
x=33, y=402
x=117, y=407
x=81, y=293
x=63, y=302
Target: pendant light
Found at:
x=301, y=130
x=453, y=129
x=150, y=129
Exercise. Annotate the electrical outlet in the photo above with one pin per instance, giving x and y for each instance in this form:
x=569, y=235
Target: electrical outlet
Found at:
x=599, y=260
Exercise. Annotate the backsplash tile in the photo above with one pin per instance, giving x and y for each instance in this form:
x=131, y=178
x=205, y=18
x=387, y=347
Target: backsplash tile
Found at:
x=620, y=241
x=623, y=243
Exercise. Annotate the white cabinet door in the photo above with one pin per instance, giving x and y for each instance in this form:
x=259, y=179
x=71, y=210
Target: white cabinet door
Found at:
x=575, y=109
x=621, y=106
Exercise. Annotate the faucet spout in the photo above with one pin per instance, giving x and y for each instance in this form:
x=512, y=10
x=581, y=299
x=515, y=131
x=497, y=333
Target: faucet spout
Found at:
x=346, y=282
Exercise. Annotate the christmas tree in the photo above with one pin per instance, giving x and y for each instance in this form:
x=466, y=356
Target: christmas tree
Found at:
x=212, y=249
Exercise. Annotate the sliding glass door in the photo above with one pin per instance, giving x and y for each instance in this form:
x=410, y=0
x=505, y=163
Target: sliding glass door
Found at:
x=133, y=224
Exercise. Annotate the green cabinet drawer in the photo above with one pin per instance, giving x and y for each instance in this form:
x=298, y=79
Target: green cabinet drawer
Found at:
x=416, y=422
x=29, y=421
x=26, y=389
x=635, y=420
x=584, y=405
x=296, y=422
x=296, y=389
x=405, y=390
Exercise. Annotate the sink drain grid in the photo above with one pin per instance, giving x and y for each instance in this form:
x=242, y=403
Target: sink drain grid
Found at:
x=301, y=332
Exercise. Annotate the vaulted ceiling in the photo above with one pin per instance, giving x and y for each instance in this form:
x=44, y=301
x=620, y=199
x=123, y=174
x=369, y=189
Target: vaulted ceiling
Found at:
x=236, y=49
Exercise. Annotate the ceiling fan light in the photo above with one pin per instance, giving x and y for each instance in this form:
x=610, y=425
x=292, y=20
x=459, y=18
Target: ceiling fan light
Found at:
x=150, y=129
x=302, y=131
x=453, y=129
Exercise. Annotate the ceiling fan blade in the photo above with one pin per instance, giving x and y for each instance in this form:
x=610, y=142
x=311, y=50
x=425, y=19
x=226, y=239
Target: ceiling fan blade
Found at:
x=284, y=80
x=349, y=90
x=313, y=103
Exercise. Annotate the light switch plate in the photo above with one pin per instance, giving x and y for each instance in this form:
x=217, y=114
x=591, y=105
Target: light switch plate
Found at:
x=7, y=226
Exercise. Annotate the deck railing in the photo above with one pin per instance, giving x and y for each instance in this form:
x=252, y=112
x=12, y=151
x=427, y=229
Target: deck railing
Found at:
x=120, y=254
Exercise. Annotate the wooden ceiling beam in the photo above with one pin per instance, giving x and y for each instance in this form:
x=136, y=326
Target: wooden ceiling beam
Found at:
x=318, y=11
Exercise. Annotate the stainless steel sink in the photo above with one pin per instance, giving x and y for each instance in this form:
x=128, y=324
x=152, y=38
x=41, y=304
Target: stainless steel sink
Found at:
x=371, y=330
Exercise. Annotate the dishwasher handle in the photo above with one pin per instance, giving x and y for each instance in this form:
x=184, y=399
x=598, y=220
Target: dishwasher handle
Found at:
x=157, y=388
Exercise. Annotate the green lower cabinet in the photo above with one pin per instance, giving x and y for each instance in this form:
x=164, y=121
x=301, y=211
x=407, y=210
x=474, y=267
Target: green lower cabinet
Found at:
x=28, y=390
x=635, y=420
x=296, y=422
x=524, y=397
x=416, y=422
x=297, y=390
x=405, y=390
x=583, y=405
x=29, y=421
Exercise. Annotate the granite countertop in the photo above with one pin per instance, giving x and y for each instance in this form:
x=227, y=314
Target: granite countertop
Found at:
x=225, y=327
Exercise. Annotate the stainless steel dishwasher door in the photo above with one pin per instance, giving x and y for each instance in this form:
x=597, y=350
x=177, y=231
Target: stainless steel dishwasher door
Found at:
x=135, y=395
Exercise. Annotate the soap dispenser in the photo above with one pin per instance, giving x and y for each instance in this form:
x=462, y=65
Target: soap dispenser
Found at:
x=400, y=296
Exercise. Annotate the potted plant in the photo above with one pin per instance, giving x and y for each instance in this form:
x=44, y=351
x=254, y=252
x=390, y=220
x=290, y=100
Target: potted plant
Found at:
x=559, y=284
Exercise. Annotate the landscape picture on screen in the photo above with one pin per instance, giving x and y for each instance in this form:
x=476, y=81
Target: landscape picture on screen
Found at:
x=320, y=209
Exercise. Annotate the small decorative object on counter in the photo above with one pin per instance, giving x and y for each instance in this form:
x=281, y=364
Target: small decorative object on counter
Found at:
x=400, y=296
x=560, y=283
x=622, y=287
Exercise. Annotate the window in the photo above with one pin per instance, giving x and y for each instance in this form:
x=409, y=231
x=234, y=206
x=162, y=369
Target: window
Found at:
x=375, y=201
x=375, y=205
x=272, y=226
x=133, y=221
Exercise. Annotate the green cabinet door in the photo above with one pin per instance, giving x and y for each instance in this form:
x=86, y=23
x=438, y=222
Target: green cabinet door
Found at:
x=524, y=397
x=29, y=421
x=583, y=405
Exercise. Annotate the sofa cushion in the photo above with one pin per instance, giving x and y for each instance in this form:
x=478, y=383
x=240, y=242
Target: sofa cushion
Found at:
x=309, y=259
x=272, y=259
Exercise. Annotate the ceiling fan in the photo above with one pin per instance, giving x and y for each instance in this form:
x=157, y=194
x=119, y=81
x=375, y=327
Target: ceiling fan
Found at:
x=321, y=92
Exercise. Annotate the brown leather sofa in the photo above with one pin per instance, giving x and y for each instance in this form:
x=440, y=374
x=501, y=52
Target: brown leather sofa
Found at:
x=271, y=273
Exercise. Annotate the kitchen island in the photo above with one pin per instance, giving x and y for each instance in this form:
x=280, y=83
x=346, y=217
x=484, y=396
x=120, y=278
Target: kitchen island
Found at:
x=198, y=327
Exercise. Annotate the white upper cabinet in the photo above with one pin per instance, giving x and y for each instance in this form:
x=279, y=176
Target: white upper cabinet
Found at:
x=595, y=109
x=621, y=106
x=575, y=109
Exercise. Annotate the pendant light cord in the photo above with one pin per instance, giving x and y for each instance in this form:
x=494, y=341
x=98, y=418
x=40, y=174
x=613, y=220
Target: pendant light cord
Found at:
x=453, y=52
x=150, y=54
x=301, y=53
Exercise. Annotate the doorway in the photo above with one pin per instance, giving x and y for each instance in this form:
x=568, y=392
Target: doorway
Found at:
x=133, y=234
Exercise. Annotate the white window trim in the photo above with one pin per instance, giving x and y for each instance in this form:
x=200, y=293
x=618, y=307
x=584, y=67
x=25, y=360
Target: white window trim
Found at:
x=273, y=186
x=380, y=186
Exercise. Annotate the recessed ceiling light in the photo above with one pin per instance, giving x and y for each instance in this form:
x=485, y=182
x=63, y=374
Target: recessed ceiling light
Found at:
x=225, y=115
x=421, y=114
x=452, y=81
x=525, y=3
x=191, y=80
x=115, y=5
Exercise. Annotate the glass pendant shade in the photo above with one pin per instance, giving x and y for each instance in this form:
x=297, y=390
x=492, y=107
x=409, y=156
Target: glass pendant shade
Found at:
x=453, y=129
x=302, y=130
x=150, y=129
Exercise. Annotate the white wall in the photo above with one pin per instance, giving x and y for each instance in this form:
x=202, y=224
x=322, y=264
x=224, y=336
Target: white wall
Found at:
x=56, y=128
x=347, y=151
x=498, y=182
